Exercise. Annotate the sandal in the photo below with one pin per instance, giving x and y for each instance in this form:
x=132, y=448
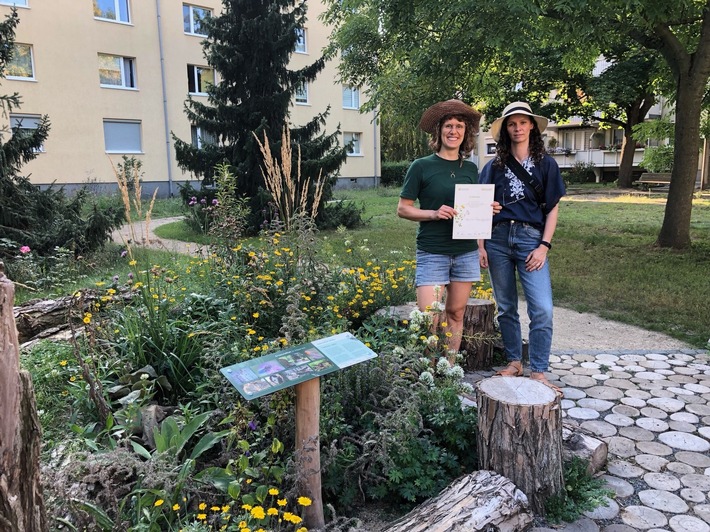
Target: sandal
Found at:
x=513, y=369
x=540, y=377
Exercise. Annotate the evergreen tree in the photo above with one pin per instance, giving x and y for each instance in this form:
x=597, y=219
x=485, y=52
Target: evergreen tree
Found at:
x=249, y=46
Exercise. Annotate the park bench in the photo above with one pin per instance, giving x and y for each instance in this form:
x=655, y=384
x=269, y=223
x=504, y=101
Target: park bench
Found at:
x=653, y=179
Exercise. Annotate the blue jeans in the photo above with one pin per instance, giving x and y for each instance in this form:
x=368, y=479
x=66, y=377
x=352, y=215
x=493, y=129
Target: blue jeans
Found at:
x=510, y=244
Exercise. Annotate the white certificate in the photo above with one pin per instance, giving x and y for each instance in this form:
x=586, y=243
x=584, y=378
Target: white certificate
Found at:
x=474, y=214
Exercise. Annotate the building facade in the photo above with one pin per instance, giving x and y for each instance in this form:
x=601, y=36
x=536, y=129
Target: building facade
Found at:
x=113, y=77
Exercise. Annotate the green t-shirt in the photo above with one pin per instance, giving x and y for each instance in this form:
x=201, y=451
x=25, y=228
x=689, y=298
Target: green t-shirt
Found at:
x=432, y=180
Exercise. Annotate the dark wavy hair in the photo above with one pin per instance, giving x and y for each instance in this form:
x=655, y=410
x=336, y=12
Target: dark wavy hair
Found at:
x=536, y=147
x=469, y=138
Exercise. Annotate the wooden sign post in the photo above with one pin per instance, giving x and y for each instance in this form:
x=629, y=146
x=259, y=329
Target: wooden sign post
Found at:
x=308, y=450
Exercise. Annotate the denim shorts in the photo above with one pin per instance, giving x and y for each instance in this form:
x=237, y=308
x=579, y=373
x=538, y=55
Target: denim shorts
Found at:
x=434, y=269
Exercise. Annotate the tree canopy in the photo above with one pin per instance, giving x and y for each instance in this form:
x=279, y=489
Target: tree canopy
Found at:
x=414, y=52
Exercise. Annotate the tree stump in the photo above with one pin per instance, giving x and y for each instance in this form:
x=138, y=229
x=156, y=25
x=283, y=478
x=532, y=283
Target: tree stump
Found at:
x=482, y=500
x=21, y=502
x=520, y=435
x=478, y=334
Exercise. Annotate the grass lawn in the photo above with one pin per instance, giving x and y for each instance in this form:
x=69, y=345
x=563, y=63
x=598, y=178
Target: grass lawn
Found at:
x=603, y=261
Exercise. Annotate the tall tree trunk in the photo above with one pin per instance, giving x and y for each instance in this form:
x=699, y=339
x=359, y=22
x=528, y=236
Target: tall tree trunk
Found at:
x=626, y=165
x=675, y=231
x=21, y=502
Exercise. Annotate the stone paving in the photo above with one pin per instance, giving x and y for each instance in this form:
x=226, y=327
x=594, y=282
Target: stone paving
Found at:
x=653, y=411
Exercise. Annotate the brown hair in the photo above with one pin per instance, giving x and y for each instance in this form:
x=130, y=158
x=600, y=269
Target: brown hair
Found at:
x=469, y=139
x=536, y=148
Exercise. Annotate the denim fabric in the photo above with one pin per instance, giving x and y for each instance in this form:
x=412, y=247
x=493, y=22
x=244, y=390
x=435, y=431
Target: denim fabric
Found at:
x=510, y=244
x=434, y=269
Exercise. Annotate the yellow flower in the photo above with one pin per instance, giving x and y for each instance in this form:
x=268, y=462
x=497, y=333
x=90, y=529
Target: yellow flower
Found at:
x=225, y=508
x=242, y=524
x=159, y=502
x=302, y=529
x=304, y=501
x=132, y=263
x=272, y=511
x=73, y=378
x=63, y=363
x=214, y=508
x=87, y=319
x=176, y=507
x=444, y=324
x=202, y=506
x=246, y=507
x=258, y=512
x=255, y=315
x=281, y=502
x=202, y=517
x=273, y=491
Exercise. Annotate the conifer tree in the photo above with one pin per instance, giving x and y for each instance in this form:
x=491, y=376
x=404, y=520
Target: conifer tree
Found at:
x=249, y=46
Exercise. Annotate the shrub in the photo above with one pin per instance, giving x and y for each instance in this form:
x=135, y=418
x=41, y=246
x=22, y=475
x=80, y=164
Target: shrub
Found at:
x=393, y=173
x=580, y=173
x=340, y=213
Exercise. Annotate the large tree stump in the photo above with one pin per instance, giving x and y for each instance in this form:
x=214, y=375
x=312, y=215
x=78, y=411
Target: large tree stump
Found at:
x=478, y=334
x=21, y=502
x=520, y=435
x=482, y=500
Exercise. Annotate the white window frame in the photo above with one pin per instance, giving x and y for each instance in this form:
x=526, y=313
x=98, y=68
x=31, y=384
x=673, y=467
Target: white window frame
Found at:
x=351, y=97
x=302, y=94
x=17, y=120
x=31, y=77
x=196, y=132
x=191, y=22
x=301, y=41
x=192, y=75
x=119, y=122
x=357, y=137
x=127, y=68
x=15, y=3
x=117, y=20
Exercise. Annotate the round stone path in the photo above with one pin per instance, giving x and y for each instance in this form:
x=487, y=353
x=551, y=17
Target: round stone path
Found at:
x=652, y=408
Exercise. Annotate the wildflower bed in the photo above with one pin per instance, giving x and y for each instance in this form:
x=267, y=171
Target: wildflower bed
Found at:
x=391, y=429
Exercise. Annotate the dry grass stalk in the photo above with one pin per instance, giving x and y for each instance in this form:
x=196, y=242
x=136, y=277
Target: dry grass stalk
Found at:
x=289, y=193
x=122, y=179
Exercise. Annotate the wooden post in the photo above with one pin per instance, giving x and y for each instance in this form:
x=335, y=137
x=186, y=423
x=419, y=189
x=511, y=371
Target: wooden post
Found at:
x=478, y=334
x=308, y=450
x=21, y=502
x=520, y=435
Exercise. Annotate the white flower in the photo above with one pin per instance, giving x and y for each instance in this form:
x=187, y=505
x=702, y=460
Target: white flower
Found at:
x=432, y=340
x=442, y=366
x=427, y=378
x=424, y=360
x=144, y=376
x=398, y=350
x=466, y=387
x=437, y=306
x=455, y=371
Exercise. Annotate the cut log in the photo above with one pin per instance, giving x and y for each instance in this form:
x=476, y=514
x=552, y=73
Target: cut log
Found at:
x=482, y=500
x=21, y=502
x=478, y=334
x=576, y=442
x=39, y=315
x=520, y=435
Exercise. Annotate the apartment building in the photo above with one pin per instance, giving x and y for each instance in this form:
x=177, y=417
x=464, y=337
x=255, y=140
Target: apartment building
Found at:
x=113, y=76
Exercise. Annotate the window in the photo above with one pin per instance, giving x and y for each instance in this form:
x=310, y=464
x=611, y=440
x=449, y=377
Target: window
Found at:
x=353, y=140
x=198, y=79
x=200, y=137
x=491, y=148
x=22, y=64
x=301, y=41
x=122, y=136
x=351, y=98
x=21, y=124
x=117, y=71
x=116, y=10
x=193, y=17
x=21, y=3
x=302, y=94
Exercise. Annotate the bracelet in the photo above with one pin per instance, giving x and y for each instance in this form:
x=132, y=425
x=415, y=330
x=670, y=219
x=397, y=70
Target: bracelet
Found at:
x=546, y=244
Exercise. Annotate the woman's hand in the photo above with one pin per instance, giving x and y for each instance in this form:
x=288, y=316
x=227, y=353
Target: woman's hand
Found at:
x=444, y=213
x=482, y=257
x=497, y=207
x=536, y=259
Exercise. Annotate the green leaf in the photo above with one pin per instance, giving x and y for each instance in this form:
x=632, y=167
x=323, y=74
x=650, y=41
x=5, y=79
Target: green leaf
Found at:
x=234, y=490
x=207, y=442
x=140, y=450
x=102, y=519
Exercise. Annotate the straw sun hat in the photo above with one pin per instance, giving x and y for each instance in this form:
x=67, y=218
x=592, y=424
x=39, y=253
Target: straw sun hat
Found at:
x=517, y=108
x=436, y=112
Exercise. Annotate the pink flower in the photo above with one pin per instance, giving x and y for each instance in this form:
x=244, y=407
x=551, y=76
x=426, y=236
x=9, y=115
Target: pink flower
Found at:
x=25, y=249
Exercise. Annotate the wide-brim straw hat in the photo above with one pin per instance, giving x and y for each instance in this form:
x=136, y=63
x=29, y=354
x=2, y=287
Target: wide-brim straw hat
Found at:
x=436, y=112
x=517, y=108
